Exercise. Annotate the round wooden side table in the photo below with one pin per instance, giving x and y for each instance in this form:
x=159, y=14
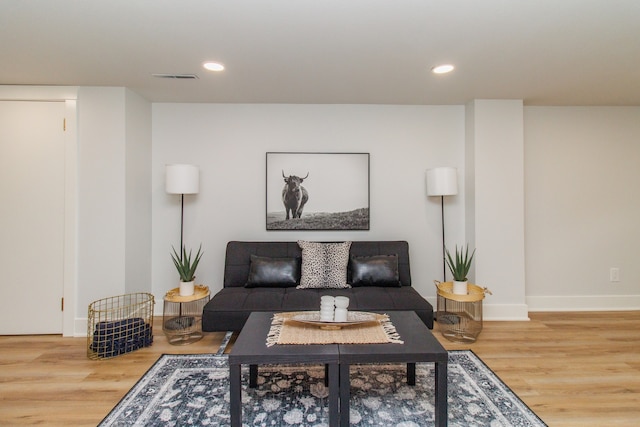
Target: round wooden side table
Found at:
x=182, y=316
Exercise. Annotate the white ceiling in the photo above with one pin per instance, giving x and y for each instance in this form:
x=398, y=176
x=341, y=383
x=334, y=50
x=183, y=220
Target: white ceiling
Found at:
x=546, y=52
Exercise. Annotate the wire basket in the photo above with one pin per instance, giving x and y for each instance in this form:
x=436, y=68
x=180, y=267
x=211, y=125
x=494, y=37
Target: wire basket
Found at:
x=460, y=316
x=118, y=325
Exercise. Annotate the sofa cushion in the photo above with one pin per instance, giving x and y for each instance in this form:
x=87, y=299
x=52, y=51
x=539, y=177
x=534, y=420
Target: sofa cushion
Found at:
x=273, y=272
x=377, y=270
x=229, y=309
x=324, y=265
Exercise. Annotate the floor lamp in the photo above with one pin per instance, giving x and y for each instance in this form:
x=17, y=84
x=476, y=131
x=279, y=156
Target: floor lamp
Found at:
x=182, y=179
x=442, y=182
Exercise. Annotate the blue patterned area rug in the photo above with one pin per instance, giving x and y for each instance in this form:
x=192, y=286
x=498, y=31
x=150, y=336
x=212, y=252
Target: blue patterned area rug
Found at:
x=193, y=390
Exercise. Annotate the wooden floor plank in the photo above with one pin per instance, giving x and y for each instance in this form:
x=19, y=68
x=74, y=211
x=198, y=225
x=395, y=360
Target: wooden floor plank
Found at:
x=572, y=369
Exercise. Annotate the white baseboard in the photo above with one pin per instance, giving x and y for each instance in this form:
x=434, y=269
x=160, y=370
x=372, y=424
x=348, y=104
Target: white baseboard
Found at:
x=584, y=303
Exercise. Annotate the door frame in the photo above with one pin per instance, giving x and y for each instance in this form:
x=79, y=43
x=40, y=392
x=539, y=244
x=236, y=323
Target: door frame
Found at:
x=68, y=95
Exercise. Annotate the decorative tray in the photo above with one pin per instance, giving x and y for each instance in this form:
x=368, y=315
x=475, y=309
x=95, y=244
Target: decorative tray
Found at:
x=353, y=318
x=199, y=291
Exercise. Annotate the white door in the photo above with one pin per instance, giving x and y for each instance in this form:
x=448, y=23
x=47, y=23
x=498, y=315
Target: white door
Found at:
x=31, y=217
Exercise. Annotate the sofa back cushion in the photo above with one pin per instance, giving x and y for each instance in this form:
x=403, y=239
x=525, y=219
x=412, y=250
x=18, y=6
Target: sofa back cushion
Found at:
x=238, y=257
x=273, y=272
x=375, y=270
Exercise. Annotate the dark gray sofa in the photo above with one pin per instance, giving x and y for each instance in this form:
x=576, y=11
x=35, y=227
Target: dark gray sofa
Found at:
x=229, y=309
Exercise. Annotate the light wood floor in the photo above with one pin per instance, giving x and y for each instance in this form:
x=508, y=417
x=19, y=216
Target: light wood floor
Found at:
x=572, y=369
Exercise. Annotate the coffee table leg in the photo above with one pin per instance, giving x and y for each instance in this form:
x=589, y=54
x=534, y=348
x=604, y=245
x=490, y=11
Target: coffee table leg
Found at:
x=441, y=394
x=411, y=374
x=235, y=395
x=334, y=394
x=345, y=392
x=326, y=375
x=253, y=376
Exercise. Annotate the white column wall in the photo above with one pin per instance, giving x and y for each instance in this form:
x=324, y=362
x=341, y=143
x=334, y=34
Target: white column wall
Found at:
x=114, y=214
x=495, y=160
x=138, y=193
x=101, y=188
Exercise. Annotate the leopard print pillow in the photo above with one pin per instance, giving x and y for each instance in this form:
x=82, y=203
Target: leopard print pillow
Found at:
x=324, y=265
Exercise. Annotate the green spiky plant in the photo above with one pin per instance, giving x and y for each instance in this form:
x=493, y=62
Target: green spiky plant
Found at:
x=185, y=266
x=461, y=265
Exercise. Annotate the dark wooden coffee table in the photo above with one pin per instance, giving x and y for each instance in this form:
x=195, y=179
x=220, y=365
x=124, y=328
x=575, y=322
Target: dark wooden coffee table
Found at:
x=419, y=346
x=250, y=349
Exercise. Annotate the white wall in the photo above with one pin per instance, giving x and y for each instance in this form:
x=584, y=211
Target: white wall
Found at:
x=101, y=195
x=114, y=196
x=496, y=204
x=138, y=193
x=229, y=143
x=582, y=174
x=581, y=180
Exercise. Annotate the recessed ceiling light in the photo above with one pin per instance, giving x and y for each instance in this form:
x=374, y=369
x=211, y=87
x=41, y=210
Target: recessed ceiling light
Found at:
x=213, y=66
x=443, y=69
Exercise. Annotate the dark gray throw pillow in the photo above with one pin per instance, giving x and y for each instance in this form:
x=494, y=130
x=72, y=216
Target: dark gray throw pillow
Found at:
x=377, y=270
x=273, y=272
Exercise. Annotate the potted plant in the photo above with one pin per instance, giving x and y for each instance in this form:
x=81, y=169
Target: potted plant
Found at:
x=459, y=268
x=186, y=269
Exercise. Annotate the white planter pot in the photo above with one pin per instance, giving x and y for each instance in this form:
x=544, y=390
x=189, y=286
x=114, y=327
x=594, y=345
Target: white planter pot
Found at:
x=460, y=288
x=187, y=289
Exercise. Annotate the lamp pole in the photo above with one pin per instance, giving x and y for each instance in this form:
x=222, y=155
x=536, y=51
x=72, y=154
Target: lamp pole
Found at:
x=181, y=224
x=444, y=257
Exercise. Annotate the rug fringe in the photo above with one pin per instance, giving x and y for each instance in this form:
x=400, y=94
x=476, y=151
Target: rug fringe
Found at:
x=224, y=343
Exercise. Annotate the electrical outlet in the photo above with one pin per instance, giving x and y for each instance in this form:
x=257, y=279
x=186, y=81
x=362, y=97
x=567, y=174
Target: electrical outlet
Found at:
x=614, y=274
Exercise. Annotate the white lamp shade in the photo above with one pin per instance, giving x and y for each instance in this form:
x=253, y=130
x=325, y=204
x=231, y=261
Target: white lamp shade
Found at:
x=442, y=181
x=182, y=179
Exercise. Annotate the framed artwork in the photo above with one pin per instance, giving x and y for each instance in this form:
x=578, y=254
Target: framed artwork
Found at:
x=317, y=191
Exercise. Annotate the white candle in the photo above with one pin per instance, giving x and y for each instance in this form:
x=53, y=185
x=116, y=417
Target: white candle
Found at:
x=342, y=302
x=340, y=315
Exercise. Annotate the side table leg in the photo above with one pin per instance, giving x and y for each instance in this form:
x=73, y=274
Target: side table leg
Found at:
x=345, y=393
x=441, y=394
x=334, y=394
x=235, y=395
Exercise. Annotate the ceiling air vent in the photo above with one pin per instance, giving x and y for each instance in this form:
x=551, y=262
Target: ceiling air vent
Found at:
x=176, y=76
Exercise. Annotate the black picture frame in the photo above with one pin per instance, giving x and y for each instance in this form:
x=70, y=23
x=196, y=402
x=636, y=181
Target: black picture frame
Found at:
x=335, y=193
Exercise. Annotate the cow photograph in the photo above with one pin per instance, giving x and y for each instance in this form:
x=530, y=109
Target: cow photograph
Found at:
x=317, y=191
